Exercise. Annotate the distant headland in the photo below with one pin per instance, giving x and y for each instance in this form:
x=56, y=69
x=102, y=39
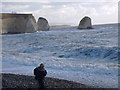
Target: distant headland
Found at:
x=13, y=23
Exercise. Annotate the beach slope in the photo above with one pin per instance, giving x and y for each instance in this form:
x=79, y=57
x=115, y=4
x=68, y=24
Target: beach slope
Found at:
x=23, y=81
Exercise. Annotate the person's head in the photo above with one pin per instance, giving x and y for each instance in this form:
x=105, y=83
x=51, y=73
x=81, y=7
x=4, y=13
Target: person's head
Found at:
x=42, y=65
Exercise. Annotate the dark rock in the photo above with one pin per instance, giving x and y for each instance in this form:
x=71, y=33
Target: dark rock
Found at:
x=43, y=24
x=85, y=23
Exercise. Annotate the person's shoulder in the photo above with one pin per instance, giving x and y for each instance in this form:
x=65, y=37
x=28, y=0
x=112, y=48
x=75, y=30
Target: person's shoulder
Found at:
x=35, y=68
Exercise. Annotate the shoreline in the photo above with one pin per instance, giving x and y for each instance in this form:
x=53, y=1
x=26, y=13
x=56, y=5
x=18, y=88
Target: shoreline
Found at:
x=25, y=81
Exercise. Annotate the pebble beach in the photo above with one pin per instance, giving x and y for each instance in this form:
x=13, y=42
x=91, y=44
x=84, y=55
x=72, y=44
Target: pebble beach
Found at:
x=22, y=81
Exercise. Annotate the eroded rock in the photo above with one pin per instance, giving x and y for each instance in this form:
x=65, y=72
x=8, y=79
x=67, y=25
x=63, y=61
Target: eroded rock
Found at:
x=43, y=24
x=85, y=23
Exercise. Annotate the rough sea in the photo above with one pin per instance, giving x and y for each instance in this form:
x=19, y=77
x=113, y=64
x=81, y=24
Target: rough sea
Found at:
x=86, y=56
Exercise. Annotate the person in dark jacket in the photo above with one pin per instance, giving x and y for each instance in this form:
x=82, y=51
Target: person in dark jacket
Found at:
x=40, y=74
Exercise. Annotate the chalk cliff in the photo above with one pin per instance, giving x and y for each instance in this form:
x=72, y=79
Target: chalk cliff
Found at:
x=17, y=23
x=85, y=23
x=42, y=24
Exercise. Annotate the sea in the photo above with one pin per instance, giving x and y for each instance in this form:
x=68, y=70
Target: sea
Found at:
x=87, y=56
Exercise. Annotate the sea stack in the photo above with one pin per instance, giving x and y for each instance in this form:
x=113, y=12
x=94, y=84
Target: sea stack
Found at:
x=85, y=23
x=17, y=23
x=42, y=24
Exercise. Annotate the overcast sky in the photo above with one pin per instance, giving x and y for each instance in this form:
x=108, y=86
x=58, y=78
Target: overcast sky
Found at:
x=66, y=12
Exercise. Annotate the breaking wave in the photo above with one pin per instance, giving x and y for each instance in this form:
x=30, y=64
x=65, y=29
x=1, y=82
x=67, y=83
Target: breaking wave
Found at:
x=94, y=52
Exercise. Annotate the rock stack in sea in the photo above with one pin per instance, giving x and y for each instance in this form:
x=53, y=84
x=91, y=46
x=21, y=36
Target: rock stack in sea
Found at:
x=42, y=24
x=85, y=23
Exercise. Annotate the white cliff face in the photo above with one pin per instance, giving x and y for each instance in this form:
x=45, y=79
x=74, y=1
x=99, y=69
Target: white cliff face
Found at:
x=31, y=26
x=18, y=23
x=85, y=23
x=43, y=24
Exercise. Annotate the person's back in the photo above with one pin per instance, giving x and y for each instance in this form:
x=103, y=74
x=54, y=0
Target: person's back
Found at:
x=40, y=74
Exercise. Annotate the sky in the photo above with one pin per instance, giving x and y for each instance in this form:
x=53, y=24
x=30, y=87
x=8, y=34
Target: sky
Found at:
x=68, y=12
